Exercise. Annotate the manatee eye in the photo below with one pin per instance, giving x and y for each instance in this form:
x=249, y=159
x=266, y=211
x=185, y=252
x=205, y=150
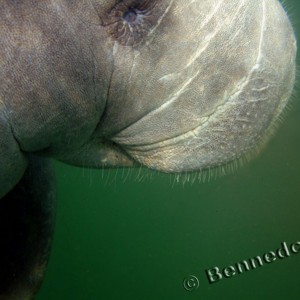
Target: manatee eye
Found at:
x=130, y=21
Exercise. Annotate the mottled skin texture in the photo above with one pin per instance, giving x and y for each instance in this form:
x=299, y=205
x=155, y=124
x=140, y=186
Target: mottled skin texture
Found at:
x=176, y=85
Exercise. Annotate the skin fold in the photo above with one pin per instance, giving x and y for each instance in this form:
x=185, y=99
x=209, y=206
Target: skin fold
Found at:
x=176, y=86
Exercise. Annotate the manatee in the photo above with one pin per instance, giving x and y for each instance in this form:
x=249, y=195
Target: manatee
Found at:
x=175, y=86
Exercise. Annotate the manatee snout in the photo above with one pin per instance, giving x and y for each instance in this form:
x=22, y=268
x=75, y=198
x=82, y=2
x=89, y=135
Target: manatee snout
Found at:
x=207, y=89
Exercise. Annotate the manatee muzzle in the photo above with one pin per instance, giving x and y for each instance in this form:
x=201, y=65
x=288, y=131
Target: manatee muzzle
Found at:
x=211, y=97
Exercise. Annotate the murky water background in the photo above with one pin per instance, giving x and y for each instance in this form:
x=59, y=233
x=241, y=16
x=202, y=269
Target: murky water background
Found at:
x=138, y=235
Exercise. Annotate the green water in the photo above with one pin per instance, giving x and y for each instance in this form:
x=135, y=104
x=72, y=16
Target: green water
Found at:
x=139, y=236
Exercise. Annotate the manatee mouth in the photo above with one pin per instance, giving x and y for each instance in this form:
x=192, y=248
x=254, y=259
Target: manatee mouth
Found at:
x=212, y=143
x=239, y=125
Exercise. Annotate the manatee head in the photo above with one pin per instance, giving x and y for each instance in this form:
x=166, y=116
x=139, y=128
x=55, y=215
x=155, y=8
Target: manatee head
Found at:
x=174, y=85
x=194, y=84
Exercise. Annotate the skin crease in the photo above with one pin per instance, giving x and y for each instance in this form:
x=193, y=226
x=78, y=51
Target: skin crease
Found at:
x=175, y=85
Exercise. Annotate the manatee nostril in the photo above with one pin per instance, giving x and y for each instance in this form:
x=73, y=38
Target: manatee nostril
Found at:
x=130, y=22
x=130, y=15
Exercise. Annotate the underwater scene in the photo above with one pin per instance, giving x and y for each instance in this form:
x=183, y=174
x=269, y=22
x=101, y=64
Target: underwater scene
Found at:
x=140, y=234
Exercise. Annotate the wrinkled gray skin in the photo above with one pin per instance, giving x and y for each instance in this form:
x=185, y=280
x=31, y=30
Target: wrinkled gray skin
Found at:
x=175, y=85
